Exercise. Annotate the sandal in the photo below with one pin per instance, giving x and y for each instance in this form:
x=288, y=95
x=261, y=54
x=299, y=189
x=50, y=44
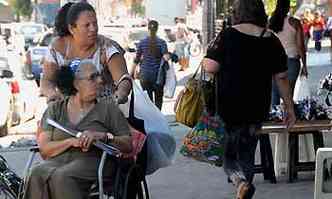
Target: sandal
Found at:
x=245, y=191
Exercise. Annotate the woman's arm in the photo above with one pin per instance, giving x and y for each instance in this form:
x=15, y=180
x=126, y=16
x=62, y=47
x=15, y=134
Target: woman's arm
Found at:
x=117, y=67
x=49, y=149
x=300, y=45
x=285, y=93
x=50, y=66
x=137, y=59
x=164, y=51
x=210, y=65
x=47, y=86
x=122, y=142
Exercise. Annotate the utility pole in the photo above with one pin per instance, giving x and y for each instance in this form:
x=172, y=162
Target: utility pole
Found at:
x=208, y=29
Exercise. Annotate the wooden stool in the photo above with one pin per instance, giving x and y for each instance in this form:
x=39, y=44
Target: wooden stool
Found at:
x=294, y=166
x=266, y=166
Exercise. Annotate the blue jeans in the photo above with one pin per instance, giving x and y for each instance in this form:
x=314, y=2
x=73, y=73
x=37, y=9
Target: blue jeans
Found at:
x=148, y=83
x=317, y=35
x=294, y=66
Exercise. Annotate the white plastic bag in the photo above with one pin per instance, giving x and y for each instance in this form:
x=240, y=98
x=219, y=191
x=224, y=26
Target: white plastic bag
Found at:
x=170, y=82
x=302, y=89
x=161, y=144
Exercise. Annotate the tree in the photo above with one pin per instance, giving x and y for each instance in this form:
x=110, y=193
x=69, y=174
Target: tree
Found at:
x=270, y=5
x=138, y=9
x=21, y=8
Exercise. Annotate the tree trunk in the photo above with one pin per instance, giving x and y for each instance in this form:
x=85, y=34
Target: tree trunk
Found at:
x=18, y=17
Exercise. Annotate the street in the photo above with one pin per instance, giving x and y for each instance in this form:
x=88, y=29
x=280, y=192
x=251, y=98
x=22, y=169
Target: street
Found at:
x=186, y=178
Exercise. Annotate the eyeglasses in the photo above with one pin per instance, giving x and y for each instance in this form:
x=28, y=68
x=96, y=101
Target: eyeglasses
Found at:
x=93, y=77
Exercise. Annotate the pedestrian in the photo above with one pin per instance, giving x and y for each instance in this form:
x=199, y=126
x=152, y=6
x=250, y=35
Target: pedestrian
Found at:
x=77, y=30
x=182, y=43
x=289, y=31
x=318, y=25
x=151, y=51
x=71, y=164
x=244, y=87
x=306, y=20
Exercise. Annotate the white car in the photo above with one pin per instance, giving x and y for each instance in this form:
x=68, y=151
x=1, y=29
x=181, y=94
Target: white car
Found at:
x=29, y=31
x=5, y=100
x=34, y=56
x=6, y=97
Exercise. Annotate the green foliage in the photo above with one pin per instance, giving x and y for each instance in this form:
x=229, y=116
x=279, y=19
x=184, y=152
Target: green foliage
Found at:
x=21, y=7
x=293, y=3
x=138, y=9
x=270, y=5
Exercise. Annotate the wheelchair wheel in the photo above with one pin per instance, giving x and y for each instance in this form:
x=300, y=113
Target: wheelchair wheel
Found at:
x=5, y=193
x=10, y=182
x=135, y=184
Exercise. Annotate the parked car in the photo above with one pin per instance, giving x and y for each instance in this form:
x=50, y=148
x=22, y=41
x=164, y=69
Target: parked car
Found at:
x=30, y=31
x=25, y=96
x=6, y=98
x=133, y=36
x=18, y=98
x=34, y=56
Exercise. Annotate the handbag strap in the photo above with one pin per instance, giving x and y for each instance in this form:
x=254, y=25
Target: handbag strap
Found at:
x=216, y=83
x=200, y=82
x=199, y=67
x=131, y=105
x=263, y=33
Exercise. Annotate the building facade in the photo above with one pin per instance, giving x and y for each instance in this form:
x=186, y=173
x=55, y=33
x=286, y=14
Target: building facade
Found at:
x=165, y=13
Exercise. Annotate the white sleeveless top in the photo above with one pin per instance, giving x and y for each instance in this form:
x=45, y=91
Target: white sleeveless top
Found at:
x=288, y=39
x=56, y=57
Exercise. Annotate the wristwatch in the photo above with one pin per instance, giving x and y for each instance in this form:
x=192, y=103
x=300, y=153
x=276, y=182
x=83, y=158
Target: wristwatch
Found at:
x=109, y=137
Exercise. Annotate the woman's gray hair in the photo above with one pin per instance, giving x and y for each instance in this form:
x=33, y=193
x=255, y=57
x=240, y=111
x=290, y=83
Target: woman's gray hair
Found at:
x=250, y=11
x=84, y=62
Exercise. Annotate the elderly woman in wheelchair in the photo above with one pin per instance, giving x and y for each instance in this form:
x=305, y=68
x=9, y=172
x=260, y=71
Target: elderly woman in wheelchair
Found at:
x=71, y=164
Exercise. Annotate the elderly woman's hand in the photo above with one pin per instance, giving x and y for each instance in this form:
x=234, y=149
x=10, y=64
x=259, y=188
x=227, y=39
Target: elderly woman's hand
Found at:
x=75, y=142
x=88, y=137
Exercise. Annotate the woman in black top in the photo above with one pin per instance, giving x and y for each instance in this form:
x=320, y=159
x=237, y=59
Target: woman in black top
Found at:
x=244, y=82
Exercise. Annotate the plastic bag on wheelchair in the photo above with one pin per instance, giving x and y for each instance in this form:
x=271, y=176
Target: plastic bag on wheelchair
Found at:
x=160, y=142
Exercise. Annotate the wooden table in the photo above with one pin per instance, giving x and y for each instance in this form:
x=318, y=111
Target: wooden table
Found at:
x=301, y=127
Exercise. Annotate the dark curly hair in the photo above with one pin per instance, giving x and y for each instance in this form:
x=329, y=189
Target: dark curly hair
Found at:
x=278, y=16
x=64, y=81
x=75, y=11
x=249, y=11
x=60, y=23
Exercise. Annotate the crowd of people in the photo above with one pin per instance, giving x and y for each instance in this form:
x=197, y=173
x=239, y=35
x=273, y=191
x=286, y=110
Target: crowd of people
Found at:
x=316, y=26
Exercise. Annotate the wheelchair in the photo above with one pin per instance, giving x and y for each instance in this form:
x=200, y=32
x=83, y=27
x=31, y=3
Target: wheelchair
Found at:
x=129, y=181
x=10, y=182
